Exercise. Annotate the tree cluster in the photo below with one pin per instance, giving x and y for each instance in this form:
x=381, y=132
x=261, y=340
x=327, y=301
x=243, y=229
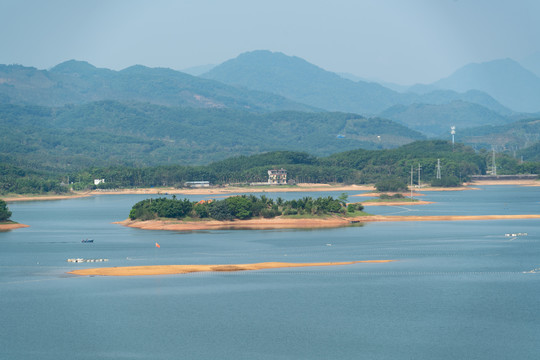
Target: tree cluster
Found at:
x=236, y=207
x=5, y=214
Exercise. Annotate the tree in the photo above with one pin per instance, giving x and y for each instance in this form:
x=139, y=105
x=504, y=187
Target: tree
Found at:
x=391, y=184
x=343, y=198
x=5, y=214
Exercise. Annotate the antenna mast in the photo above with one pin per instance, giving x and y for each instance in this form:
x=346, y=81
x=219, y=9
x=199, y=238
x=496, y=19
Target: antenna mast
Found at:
x=411, y=180
x=493, y=164
x=438, y=168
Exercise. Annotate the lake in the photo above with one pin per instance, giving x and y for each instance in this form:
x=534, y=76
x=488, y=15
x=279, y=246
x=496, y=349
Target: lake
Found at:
x=459, y=290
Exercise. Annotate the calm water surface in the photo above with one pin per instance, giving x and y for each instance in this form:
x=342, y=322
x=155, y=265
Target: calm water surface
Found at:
x=460, y=290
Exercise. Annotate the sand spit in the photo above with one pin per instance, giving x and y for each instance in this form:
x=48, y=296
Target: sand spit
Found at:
x=12, y=226
x=184, y=269
x=16, y=198
x=252, y=224
x=447, y=217
x=288, y=223
x=522, y=182
x=395, y=203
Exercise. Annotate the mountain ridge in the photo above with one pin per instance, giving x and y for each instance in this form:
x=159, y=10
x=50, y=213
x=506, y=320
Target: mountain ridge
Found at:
x=301, y=81
x=77, y=82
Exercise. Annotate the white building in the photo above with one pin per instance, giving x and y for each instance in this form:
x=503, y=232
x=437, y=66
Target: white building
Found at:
x=197, y=184
x=278, y=177
x=99, y=181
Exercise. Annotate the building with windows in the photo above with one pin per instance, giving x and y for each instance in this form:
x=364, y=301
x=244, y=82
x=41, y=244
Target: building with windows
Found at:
x=197, y=184
x=277, y=177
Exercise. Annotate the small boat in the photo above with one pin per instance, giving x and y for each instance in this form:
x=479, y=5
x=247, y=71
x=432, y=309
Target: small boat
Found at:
x=87, y=240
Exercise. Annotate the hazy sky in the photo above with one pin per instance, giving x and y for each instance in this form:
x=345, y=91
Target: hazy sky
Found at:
x=402, y=41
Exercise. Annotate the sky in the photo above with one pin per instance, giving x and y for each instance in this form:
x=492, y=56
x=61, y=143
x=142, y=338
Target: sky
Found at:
x=399, y=41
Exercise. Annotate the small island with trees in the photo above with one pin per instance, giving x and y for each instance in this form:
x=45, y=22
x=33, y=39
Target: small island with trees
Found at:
x=243, y=207
x=5, y=215
x=245, y=211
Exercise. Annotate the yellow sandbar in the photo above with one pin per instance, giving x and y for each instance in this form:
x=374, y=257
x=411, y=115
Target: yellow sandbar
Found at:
x=184, y=269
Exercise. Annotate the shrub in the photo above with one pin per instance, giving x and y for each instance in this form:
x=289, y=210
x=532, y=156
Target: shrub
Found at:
x=391, y=185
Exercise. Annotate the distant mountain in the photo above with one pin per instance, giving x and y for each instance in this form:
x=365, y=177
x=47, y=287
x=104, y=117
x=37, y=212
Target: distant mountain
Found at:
x=505, y=80
x=436, y=119
x=306, y=83
x=77, y=82
x=109, y=132
x=510, y=137
x=303, y=82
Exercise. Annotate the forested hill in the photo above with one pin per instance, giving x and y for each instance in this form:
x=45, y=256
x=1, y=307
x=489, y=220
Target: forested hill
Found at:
x=508, y=137
x=141, y=134
x=301, y=81
x=355, y=166
x=435, y=120
x=77, y=82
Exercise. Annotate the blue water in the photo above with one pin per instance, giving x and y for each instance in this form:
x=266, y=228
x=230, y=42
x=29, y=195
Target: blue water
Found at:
x=460, y=290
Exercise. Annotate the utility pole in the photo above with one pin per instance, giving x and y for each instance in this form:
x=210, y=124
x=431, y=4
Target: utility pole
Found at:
x=493, y=164
x=419, y=168
x=411, y=180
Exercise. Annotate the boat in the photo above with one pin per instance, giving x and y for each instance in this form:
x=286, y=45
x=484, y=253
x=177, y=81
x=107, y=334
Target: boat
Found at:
x=87, y=240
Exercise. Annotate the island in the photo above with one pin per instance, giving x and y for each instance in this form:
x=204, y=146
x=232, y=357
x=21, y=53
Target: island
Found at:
x=250, y=212
x=185, y=269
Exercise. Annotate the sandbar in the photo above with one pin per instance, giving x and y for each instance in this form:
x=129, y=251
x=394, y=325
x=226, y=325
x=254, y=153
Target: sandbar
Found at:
x=12, y=226
x=292, y=223
x=375, y=218
x=396, y=203
x=252, y=224
x=15, y=198
x=185, y=269
x=522, y=182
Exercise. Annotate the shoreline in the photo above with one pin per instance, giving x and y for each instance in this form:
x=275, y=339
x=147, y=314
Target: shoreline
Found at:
x=395, y=203
x=185, y=269
x=301, y=187
x=16, y=198
x=12, y=226
x=288, y=223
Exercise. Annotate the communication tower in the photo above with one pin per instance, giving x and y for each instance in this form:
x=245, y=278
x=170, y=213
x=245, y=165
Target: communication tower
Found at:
x=453, y=133
x=419, y=168
x=493, y=164
x=438, y=168
x=411, y=181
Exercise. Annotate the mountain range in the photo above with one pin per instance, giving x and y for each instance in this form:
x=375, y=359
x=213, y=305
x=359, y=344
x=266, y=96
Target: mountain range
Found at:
x=298, y=80
x=259, y=101
x=141, y=134
x=505, y=80
x=77, y=82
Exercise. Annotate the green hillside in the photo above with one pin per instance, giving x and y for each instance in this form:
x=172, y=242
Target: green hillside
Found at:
x=510, y=137
x=435, y=120
x=77, y=82
x=141, y=134
x=531, y=153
